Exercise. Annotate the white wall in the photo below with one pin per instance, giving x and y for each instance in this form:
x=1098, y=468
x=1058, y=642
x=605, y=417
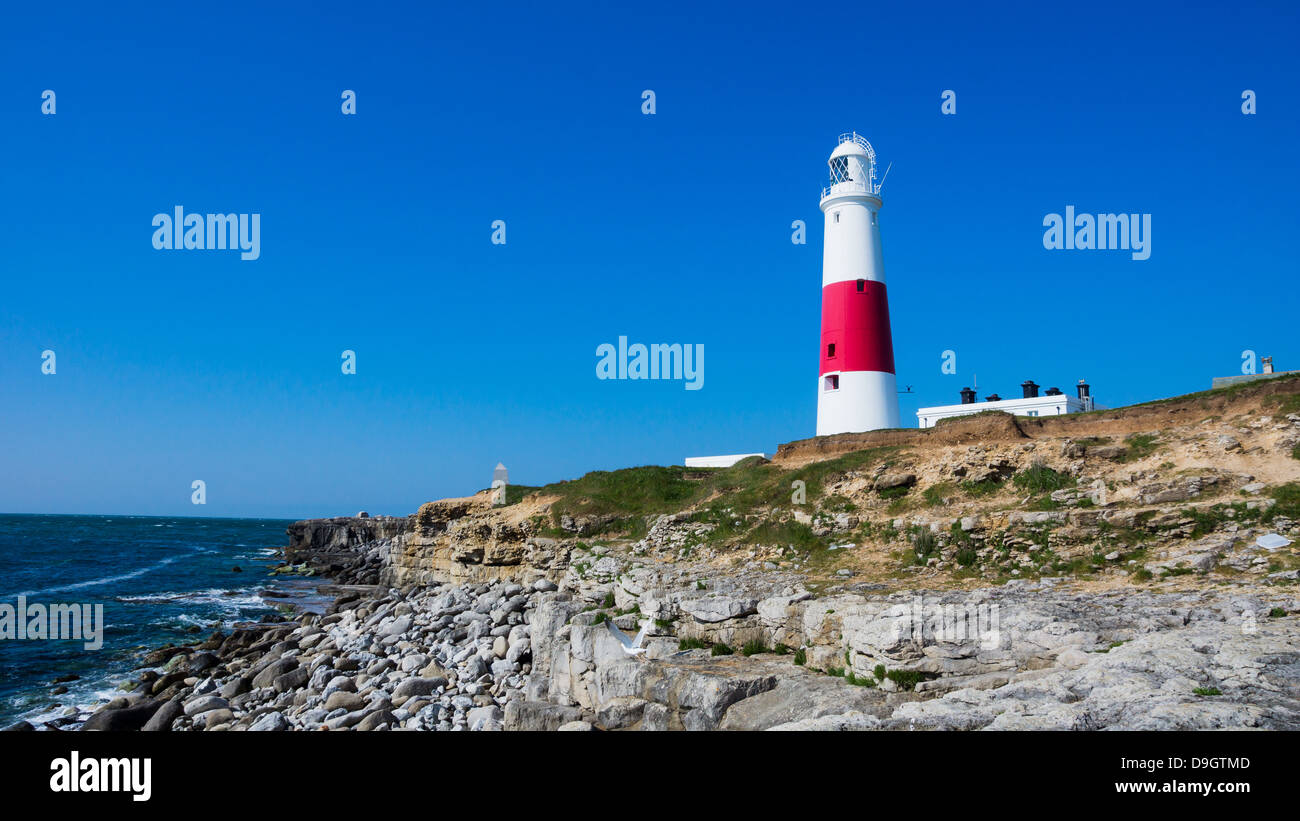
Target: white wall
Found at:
x=1037, y=406
x=866, y=400
x=718, y=461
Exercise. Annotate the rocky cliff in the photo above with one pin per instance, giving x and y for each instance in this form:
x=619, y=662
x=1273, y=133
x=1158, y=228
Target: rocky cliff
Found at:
x=1098, y=571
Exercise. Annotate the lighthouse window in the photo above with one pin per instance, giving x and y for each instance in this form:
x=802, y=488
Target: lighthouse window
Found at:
x=862, y=285
x=837, y=216
x=833, y=382
x=830, y=349
x=873, y=217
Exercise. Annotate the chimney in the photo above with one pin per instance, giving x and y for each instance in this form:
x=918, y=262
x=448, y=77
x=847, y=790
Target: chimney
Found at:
x=1268, y=364
x=967, y=396
x=1083, y=391
x=993, y=397
x=1052, y=392
x=1030, y=389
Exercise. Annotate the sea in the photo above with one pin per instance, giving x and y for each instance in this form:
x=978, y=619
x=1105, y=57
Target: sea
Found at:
x=160, y=580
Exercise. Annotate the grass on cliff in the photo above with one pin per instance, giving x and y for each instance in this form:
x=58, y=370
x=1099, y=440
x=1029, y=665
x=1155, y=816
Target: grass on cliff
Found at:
x=1138, y=446
x=1285, y=402
x=1287, y=498
x=748, y=485
x=1039, y=478
x=1230, y=390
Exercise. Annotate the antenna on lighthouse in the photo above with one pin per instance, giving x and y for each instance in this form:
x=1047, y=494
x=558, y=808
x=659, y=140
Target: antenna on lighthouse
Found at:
x=881, y=187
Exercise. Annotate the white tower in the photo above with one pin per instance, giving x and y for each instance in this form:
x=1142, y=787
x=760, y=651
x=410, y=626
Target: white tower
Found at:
x=856, y=390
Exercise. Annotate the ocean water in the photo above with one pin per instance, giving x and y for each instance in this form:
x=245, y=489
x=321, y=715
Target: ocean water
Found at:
x=157, y=579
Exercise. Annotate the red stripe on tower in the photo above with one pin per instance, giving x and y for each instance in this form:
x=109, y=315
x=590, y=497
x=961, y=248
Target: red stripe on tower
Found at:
x=855, y=327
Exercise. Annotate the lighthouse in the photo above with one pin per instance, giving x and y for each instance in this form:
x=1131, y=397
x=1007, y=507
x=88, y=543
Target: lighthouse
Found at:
x=855, y=387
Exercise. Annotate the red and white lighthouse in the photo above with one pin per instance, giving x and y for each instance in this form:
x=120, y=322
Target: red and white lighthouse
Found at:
x=856, y=390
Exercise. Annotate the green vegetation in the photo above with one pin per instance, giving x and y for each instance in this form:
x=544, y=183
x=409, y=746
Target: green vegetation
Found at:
x=838, y=504
x=721, y=649
x=1039, y=478
x=1216, y=393
x=924, y=546
x=753, y=647
x=1286, y=402
x=1277, y=613
x=640, y=490
x=609, y=599
x=1093, y=441
x=908, y=679
x=788, y=532
x=936, y=494
x=691, y=644
x=1139, y=445
x=781, y=649
x=626, y=497
x=988, y=487
x=1044, y=503
x=879, y=672
x=516, y=493
x=800, y=657
x=1207, y=691
x=1288, y=502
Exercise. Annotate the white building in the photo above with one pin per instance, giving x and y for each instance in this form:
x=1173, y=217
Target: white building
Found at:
x=1052, y=403
x=718, y=461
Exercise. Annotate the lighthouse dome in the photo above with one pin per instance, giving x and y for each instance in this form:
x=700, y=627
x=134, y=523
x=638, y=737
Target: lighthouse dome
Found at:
x=852, y=165
x=854, y=144
x=848, y=150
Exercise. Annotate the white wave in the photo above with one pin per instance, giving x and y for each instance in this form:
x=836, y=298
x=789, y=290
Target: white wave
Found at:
x=96, y=582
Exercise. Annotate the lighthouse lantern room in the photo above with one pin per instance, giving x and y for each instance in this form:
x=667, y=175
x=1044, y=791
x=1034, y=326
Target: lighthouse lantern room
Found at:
x=856, y=389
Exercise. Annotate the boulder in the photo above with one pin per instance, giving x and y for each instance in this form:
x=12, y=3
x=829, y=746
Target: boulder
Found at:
x=272, y=722
x=120, y=719
x=342, y=699
x=161, y=721
x=273, y=670
x=888, y=481
x=538, y=715
x=575, y=727
x=203, y=704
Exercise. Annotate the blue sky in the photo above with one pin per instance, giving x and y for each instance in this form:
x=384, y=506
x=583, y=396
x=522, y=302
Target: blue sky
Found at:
x=675, y=227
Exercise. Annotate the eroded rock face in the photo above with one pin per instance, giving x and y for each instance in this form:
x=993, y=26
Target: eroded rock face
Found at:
x=1019, y=656
x=348, y=549
x=466, y=540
